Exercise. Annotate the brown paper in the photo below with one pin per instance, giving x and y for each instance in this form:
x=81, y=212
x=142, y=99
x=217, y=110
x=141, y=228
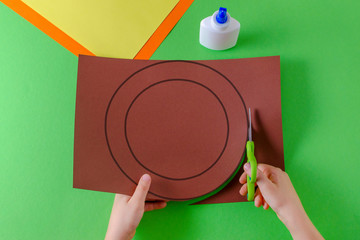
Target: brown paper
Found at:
x=183, y=122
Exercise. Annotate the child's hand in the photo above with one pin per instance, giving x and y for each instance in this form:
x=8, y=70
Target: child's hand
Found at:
x=276, y=190
x=127, y=211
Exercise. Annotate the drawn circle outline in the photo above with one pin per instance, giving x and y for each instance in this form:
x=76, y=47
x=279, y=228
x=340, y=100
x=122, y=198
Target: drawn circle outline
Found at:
x=165, y=62
x=170, y=80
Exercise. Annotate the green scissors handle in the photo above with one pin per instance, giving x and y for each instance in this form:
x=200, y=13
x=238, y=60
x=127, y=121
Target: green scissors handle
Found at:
x=250, y=147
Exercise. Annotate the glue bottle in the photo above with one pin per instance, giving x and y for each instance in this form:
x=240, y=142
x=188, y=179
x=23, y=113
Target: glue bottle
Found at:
x=219, y=31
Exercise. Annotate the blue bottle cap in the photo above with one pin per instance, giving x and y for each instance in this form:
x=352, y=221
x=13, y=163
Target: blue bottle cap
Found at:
x=221, y=17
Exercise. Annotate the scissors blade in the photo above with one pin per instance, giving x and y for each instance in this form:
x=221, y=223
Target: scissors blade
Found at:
x=250, y=128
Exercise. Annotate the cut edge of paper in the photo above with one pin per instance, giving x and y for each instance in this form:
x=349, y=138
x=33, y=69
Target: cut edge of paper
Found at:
x=76, y=48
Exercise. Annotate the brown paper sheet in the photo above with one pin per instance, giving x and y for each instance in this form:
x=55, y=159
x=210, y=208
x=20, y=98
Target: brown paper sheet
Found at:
x=182, y=122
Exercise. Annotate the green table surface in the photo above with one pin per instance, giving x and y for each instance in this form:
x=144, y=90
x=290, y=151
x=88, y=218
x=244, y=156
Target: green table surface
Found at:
x=319, y=45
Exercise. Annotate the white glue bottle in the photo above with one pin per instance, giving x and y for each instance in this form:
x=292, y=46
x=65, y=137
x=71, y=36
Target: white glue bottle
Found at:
x=219, y=31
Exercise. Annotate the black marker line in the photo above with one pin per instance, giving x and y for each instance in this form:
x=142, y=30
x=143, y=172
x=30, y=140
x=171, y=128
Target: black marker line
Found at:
x=152, y=65
x=179, y=80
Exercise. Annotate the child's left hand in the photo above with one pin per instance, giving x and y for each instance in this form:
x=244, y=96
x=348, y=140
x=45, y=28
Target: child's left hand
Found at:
x=127, y=211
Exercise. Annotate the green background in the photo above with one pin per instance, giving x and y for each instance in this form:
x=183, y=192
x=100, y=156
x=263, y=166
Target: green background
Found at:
x=318, y=42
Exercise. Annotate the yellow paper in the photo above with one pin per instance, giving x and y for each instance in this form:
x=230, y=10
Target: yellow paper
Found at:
x=109, y=28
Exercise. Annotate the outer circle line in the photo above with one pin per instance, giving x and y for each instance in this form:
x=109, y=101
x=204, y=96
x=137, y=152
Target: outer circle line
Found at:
x=152, y=65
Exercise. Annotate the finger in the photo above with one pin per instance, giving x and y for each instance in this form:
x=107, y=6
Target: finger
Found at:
x=263, y=166
x=149, y=206
x=262, y=181
x=258, y=199
x=242, y=178
x=270, y=172
x=262, y=199
x=247, y=169
x=141, y=190
x=266, y=205
x=243, y=190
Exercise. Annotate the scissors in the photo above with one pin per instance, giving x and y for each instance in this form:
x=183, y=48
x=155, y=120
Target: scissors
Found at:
x=252, y=160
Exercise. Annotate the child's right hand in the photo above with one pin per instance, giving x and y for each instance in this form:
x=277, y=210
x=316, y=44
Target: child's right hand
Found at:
x=276, y=190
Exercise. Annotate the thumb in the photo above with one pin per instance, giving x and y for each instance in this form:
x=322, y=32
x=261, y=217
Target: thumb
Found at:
x=262, y=181
x=141, y=190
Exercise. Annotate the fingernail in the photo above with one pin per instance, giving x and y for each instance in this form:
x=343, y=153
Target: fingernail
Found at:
x=247, y=166
x=146, y=178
